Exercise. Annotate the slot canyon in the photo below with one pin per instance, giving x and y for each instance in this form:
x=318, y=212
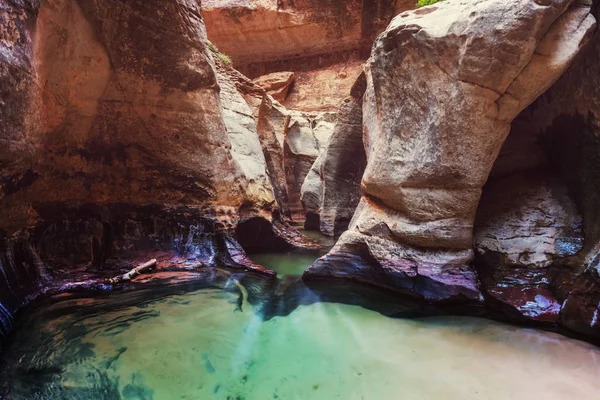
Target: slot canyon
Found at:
x=299, y=199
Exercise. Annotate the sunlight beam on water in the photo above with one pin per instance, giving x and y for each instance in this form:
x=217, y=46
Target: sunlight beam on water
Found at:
x=195, y=345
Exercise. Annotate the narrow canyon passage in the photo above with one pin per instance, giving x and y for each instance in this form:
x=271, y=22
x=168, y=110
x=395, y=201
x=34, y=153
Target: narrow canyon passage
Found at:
x=299, y=199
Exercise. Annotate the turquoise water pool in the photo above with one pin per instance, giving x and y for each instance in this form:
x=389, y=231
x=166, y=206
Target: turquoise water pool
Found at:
x=198, y=344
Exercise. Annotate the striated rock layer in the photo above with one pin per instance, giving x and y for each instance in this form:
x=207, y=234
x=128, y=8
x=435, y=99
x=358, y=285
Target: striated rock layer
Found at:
x=263, y=31
x=331, y=190
x=443, y=85
x=120, y=139
x=324, y=42
x=527, y=224
x=565, y=120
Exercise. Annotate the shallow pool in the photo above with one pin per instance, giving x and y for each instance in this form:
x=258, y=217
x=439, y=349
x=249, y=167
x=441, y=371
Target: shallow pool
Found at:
x=199, y=345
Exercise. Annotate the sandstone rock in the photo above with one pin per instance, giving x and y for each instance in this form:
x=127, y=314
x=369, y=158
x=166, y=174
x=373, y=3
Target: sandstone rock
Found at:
x=260, y=31
x=272, y=122
x=246, y=148
x=331, y=190
x=311, y=194
x=343, y=167
x=324, y=88
x=16, y=88
x=403, y=5
x=434, y=128
x=306, y=138
x=526, y=224
x=521, y=151
x=276, y=84
x=119, y=141
x=566, y=121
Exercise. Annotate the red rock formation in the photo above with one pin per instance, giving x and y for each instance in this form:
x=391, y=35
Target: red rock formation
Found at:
x=261, y=31
x=277, y=84
x=324, y=42
x=331, y=190
x=120, y=139
x=433, y=130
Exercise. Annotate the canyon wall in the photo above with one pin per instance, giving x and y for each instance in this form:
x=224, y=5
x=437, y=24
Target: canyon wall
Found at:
x=126, y=136
x=257, y=34
x=443, y=85
x=323, y=42
x=122, y=142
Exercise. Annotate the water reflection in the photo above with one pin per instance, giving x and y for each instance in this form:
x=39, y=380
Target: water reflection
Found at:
x=188, y=342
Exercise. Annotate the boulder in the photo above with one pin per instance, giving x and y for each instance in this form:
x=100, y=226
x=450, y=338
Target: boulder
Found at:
x=443, y=85
x=276, y=84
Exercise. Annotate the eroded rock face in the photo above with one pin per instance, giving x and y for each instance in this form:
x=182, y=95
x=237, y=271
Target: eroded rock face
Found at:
x=323, y=89
x=566, y=120
x=434, y=128
x=306, y=138
x=259, y=31
x=526, y=225
x=246, y=148
x=331, y=190
x=323, y=42
x=120, y=139
x=276, y=84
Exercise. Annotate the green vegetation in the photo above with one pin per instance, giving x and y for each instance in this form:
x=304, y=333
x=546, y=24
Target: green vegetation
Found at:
x=223, y=57
x=423, y=3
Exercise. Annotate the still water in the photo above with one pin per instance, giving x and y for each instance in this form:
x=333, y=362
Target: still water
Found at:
x=199, y=345
x=176, y=342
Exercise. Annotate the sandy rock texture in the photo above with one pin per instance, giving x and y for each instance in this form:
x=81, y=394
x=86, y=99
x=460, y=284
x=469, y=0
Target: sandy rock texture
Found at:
x=331, y=190
x=565, y=121
x=306, y=138
x=276, y=84
x=323, y=88
x=526, y=225
x=259, y=31
x=443, y=85
x=323, y=42
x=119, y=139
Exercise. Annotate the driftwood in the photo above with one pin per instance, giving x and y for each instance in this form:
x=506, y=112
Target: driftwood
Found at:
x=134, y=272
x=243, y=298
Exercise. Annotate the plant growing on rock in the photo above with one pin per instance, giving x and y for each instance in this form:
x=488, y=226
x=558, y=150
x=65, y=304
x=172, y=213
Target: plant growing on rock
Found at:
x=223, y=57
x=423, y=3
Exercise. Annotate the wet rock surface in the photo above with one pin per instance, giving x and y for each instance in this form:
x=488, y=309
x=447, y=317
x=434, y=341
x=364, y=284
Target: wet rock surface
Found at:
x=527, y=224
x=124, y=138
x=422, y=184
x=121, y=140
